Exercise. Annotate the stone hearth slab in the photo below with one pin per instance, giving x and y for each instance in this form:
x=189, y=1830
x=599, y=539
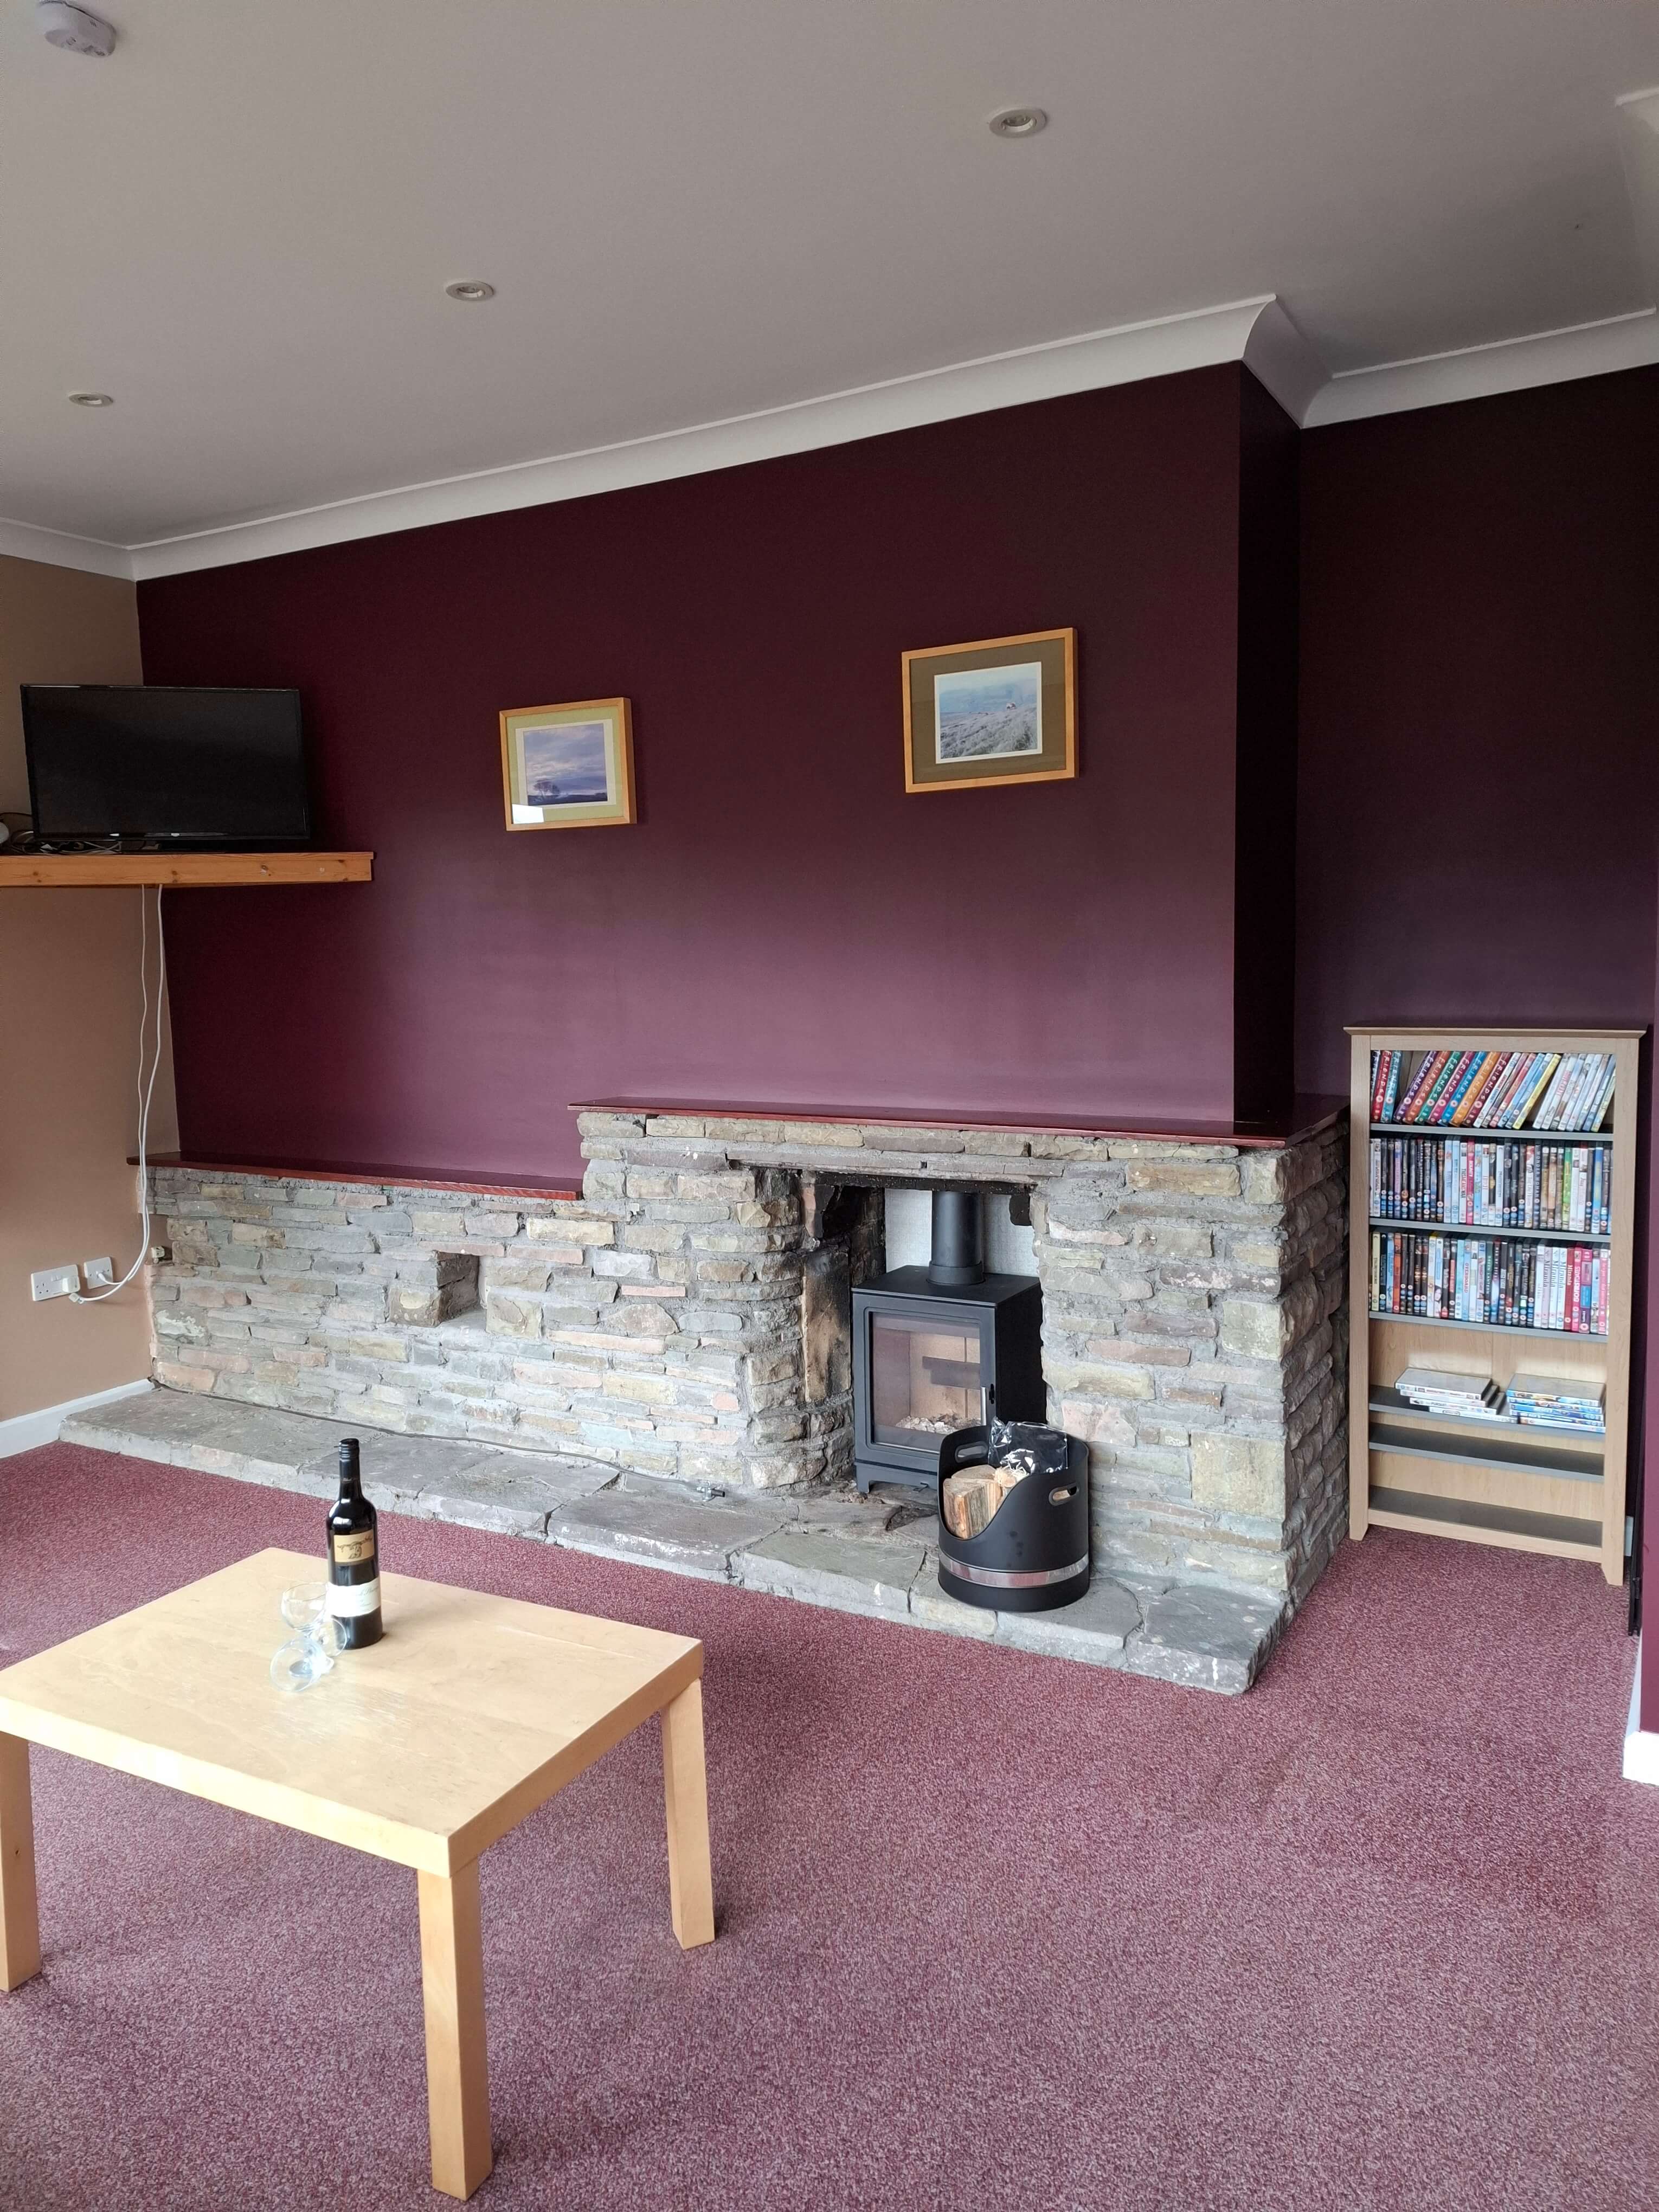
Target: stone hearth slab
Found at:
x=1208, y=1639
x=848, y=1573
x=939, y=1609
x=692, y=1539
x=156, y=1425
x=1096, y=1630
x=398, y=1468
x=875, y=1556
x=480, y=1493
x=279, y=1450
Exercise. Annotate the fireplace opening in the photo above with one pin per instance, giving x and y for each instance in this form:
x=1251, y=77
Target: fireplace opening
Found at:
x=941, y=1347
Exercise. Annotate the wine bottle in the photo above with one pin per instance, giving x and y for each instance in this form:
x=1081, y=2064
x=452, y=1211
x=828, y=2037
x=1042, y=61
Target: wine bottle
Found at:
x=354, y=1558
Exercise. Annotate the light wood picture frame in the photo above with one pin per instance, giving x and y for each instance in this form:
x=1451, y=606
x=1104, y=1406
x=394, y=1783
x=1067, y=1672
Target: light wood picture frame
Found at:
x=997, y=710
x=570, y=767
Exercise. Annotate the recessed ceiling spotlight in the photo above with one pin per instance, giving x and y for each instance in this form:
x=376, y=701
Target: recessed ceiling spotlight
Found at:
x=471, y=287
x=92, y=399
x=1018, y=122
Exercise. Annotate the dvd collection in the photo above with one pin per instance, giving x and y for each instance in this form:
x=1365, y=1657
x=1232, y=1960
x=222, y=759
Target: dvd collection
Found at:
x=1542, y=1402
x=1466, y=1397
x=1458, y=1181
x=1550, y=1401
x=1490, y=1281
x=1493, y=1090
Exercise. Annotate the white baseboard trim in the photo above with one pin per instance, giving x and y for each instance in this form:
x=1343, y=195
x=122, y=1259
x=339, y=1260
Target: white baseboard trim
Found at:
x=1641, y=1745
x=27, y=1431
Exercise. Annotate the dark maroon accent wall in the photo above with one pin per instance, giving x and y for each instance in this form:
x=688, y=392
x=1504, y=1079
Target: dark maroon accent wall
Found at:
x=1479, y=784
x=784, y=923
x=1478, y=774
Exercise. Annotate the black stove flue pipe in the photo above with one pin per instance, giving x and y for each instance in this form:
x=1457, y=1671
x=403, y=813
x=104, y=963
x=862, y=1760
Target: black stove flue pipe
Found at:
x=958, y=1255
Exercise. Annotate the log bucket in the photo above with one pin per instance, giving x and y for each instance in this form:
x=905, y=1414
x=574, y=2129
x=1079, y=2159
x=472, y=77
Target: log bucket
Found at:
x=1033, y=1554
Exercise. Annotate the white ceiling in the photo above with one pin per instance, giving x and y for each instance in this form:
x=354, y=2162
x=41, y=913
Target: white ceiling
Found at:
x=241, y=223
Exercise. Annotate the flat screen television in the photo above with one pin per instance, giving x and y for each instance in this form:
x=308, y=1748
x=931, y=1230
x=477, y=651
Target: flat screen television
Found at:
x=163, y=764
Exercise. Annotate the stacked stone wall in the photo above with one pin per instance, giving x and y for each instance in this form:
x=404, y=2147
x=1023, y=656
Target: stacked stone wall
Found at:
x=655, y=1327
x=1194, y=1331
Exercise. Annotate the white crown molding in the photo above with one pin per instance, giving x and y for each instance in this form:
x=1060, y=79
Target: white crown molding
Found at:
x=1279, y=357
x=1163, y=346
x=26, y=541
x=1478, y=372
x=1638, y=150
x=1260, y=332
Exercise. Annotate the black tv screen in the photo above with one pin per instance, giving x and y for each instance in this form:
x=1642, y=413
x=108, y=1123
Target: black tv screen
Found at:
x=174, y=765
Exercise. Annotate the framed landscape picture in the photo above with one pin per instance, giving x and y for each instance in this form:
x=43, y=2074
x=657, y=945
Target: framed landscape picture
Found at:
x=567, y=768
x=1001, y=710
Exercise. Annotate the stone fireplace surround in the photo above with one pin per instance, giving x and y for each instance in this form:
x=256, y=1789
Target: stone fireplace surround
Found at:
x=685, y=1316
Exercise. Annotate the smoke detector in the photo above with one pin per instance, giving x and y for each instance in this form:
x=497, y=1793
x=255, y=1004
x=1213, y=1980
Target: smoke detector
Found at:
x=74, y=29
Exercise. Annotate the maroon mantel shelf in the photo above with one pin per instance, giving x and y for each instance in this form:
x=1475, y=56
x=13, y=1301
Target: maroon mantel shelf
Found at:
x=369, y=1172
x=1307, y=1115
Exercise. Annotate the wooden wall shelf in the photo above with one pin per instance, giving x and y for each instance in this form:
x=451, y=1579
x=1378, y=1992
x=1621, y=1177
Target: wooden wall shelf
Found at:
x=179, y=870
x=1527, y=1488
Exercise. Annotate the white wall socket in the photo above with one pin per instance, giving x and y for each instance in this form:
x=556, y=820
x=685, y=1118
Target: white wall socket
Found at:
x=54, y=1283
x=95, y=1271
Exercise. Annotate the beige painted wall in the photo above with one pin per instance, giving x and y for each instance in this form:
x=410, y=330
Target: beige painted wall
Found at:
x=68, y=1032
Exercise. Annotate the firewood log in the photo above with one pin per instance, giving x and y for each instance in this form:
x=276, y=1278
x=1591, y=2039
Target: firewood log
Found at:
x=972, y=1497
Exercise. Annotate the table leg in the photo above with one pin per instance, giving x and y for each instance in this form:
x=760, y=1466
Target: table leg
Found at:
x=457, y=2073
x=19, y=1921
x=685, y=1785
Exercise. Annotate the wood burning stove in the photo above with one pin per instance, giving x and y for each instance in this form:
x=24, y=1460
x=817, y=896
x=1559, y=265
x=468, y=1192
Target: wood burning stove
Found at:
x=941, y=1348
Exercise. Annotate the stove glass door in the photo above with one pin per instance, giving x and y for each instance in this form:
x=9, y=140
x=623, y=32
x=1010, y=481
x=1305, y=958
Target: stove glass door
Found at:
x=927, y=1377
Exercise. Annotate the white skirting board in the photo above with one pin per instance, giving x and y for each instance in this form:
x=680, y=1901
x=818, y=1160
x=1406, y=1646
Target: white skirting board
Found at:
x=1641, y=1745
x=25, y=1431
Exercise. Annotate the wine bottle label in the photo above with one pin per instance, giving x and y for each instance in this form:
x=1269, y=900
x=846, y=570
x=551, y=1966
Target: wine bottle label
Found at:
x=349, y=1601
x=352, y=1549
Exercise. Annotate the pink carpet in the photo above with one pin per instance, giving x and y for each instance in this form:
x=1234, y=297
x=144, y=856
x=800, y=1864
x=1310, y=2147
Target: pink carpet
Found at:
x=995, y=1933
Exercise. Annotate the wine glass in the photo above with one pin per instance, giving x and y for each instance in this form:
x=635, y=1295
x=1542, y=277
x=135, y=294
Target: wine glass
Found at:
x=309, y=1654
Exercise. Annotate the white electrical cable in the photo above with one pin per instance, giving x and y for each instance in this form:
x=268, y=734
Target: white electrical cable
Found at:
x=146, y=1092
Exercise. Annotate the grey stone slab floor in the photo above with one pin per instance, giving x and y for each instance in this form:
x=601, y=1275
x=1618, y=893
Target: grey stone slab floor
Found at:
x=873, y=1556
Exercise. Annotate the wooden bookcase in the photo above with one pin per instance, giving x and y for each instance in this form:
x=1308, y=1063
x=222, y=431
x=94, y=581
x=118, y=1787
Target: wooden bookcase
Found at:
x=1525, y=1488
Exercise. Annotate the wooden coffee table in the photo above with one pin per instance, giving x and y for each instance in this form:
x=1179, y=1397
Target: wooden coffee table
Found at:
x=425, y=1749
